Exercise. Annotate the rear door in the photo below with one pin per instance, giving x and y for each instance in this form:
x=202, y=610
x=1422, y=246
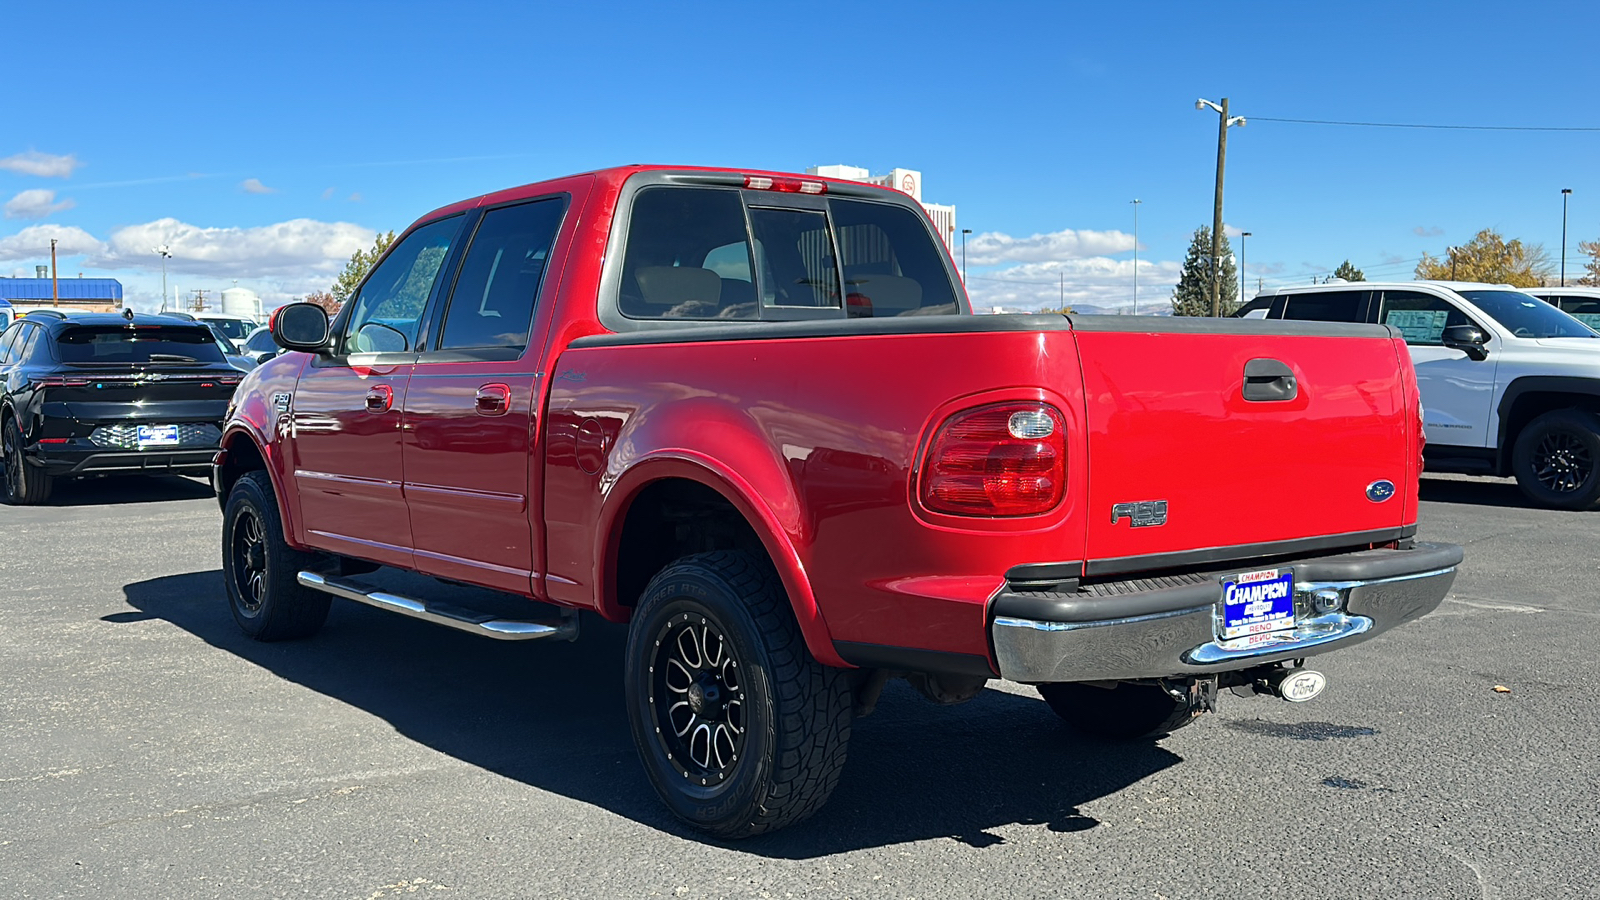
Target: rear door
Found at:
x=1457, y=390
x=346, y=409
x=1185, y=467
x=470, y=409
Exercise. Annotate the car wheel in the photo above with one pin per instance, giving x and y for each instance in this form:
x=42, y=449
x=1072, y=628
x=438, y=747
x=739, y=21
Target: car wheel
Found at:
x=260, y=567
x=25, y=485
x=740, y=730
x=1127, y=711
x=1556, y=459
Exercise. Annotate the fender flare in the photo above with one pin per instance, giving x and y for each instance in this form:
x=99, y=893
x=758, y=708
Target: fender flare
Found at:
x=241, y=430
x=737, y=490
x=1534, y=384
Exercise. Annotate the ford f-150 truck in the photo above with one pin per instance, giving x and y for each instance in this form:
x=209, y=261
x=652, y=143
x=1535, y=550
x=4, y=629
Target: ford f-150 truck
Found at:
x=752, y=415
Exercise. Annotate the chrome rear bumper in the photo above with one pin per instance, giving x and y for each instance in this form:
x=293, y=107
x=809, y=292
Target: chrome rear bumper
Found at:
x=1345, y=600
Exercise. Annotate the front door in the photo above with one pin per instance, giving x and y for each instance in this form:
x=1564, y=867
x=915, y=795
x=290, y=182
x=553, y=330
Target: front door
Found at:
x=346, y=409
x=470, y=412
x=1457, y=391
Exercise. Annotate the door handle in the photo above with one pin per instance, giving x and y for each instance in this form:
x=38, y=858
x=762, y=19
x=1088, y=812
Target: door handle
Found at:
x=493, y=400
x=379, y=398
x=1268, y=380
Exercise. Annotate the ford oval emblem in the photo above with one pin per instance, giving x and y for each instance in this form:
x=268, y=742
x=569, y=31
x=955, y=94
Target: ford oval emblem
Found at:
x=1379, y=491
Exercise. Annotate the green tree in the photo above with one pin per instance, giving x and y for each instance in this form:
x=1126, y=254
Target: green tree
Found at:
x=1491, y=258
x=1349, y=272
x=1592, y=250
x=1192, y=297
x=356, y=269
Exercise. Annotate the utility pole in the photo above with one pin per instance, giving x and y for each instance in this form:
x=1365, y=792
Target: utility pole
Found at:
x=1136, y=201
x=1242, y=289
x=1224, y=122
x=200, y=299
x=166, y=253
x=964, y=233
x=1452, y=251
x=1063, y=290
x=55, y=290
x=1565, y=193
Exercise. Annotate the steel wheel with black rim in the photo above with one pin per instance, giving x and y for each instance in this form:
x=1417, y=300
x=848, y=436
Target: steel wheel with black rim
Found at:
x=25, y=485
x=260, y=567
x=740, y=730
x=1555, y=459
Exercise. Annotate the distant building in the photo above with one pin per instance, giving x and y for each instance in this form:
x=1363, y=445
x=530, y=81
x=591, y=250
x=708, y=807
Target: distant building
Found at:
x=88, y=294
x=908, y=181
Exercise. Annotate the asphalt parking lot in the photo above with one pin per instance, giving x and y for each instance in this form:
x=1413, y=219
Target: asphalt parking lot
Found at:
x=148, y=750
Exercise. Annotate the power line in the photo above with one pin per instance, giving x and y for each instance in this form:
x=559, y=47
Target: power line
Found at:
x=1415, y=125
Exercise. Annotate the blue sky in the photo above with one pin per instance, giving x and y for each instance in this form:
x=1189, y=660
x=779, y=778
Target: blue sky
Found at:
x=266, y=142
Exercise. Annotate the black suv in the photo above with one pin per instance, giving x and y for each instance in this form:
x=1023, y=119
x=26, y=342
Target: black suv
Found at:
x=107, y=394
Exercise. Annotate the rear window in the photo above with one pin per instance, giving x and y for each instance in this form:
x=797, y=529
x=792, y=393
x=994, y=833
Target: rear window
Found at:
x=140, y=344
x=892, y=266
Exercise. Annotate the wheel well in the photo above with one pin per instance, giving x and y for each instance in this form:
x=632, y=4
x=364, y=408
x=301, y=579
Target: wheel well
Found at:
x=671, y=518
x=242, y=457
x=1531, y=406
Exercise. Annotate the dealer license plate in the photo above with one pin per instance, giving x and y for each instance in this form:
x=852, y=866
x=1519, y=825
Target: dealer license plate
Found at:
x=1257, y=605
x=157, y=436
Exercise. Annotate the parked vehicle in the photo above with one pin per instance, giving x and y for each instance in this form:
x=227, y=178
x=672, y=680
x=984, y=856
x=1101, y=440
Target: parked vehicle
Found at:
x=1581, y=303
x=232, y=352
x=7, y=314
x=103, y=394
x=237, y=328
x=261, y=346
x=751, y=414
x=1510, y=385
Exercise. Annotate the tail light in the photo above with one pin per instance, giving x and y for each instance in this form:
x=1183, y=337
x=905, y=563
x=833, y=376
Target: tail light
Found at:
x=62, y=381
x=785, y=185
x=1009, y=459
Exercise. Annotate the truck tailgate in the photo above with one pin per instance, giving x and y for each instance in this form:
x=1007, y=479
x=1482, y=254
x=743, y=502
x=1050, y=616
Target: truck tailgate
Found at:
x=1185, y=471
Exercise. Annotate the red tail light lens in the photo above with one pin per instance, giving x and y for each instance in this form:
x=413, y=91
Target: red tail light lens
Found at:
x=1009, y=459
x=62, y=381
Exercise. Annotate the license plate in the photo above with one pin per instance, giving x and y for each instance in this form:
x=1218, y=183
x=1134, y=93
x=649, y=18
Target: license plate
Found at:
x=1257, y=604
x=157, y=436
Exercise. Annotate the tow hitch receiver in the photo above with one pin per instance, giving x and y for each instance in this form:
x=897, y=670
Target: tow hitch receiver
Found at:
x=1286, y=682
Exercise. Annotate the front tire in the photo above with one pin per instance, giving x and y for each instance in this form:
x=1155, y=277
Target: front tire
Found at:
x=740, y=730
x=1556, y=459
x=1128, y=711
x=25, y=485
x=260, y=567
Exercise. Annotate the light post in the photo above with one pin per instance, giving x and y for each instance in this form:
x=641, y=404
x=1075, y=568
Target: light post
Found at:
x=1136, y=201
x=1242, y=236
x=1565, y=193
x=1225, y=122
x=964, y=233
x=165, y=253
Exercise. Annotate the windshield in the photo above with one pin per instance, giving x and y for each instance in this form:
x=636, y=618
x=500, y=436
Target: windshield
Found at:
x=144, y=344
x=234, y=329
x=1527, y=316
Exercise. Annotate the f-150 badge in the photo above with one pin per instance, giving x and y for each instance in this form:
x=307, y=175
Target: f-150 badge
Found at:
x=1141, y=513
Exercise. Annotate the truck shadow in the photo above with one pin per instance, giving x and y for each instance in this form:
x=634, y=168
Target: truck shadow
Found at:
x=127, y=489
x=551, y=716
x=1476, y=492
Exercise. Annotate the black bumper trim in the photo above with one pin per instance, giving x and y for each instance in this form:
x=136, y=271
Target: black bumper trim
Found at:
x=132, y=461
x=913, y=659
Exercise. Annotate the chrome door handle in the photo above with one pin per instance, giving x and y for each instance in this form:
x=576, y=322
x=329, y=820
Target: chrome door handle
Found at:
x=379, y=398
x=493, y=400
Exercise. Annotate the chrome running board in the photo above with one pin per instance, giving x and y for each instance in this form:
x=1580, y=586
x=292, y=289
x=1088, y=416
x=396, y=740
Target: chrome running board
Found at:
x=471, y=621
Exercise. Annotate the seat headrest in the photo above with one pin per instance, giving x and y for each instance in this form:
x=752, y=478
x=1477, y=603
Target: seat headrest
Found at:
x=672, y=285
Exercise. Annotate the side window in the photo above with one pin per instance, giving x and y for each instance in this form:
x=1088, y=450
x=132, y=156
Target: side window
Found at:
x=8, y=341
x=1584, y=309
x=27, y=343
x=1325, y=306
x=683, y=255
x=1422, y=318
x=892, y=266
x=796, y=259
x=261, y=342
x=492, y=303
x=388, y=309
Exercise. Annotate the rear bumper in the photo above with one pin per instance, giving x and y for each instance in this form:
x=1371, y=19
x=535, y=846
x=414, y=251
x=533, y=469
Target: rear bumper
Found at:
x=68, y=462
x=1164, y=627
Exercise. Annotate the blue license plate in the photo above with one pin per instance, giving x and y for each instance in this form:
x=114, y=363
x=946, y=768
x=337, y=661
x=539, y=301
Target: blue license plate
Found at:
x=157, y=436
x=1257, y=603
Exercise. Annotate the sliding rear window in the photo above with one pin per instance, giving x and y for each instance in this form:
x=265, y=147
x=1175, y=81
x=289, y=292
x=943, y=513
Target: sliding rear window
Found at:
x=138, y=344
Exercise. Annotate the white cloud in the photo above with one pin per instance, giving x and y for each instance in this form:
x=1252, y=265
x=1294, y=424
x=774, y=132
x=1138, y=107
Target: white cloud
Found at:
x=1099, y=282
x=35, y=204
x=356, y=197
x=326, y=194
x=300, y=251
x=33, y=242
x=254, y=186
x=993, y=247
x=42, y=165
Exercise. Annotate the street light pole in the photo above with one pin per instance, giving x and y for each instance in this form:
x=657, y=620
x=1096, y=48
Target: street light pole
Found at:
x=1223, y=124
x=1565, y=193
x=166, y=254
x=964, y=233
x=1136, y=201
x=55, y=290
x=1242, y=288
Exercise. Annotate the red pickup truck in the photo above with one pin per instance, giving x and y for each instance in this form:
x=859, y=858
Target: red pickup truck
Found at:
x=752, y=415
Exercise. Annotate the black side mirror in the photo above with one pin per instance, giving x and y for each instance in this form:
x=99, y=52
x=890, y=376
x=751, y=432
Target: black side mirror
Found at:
x=301, y=326
x=1467, y=338
x=263, y=357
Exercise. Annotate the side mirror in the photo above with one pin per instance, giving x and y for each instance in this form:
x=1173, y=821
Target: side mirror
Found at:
x=1467, y=338
x=263, y=357
x=301, y=326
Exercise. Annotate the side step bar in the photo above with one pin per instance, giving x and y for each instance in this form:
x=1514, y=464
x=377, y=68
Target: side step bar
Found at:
x=471, y=621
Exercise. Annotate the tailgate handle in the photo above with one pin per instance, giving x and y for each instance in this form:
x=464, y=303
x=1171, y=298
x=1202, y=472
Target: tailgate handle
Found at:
x=1267, y=380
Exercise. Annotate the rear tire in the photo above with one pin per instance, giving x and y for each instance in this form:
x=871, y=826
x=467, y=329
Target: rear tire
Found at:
x=1126, y=712
x=25, y=485
x=260, y=568
x=740, y=730
x=1556, y=459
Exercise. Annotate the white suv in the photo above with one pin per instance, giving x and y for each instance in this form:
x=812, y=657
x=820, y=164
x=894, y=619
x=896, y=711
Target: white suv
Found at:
x=1510, y=384
x=1581, y=303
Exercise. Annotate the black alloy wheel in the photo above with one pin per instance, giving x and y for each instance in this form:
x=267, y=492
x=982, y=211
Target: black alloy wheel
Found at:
x=1555, y=459
x=24, y=484
x=249, y=562
x=697, y=698
x=261, y=571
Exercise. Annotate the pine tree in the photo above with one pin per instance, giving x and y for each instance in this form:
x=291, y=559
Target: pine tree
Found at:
x=1191, y=297
x=1349, y=272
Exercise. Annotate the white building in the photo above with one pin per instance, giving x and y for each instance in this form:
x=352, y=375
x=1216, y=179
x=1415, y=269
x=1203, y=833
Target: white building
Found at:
x=907, y=181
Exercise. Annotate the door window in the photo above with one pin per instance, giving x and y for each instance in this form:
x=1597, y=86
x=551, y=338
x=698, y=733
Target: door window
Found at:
x=682, y=261
x=1325, y=306
x=8, y=344
x=388, y=309
x=28, y=343
x=492, y=303
x=1584, y=309
x=1422, y=318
